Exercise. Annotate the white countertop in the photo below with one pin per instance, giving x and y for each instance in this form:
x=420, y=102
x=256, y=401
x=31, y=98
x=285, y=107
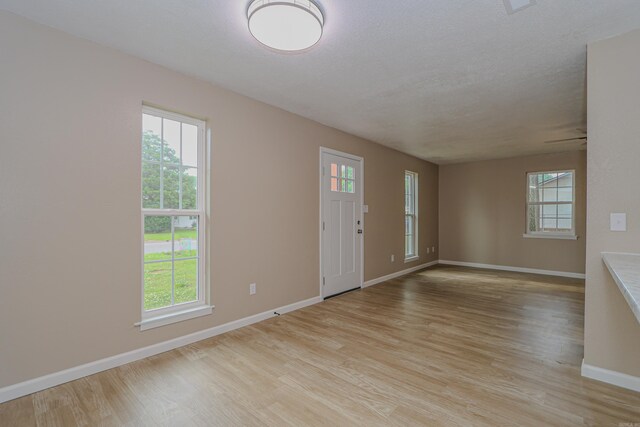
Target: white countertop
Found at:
x=625, y=269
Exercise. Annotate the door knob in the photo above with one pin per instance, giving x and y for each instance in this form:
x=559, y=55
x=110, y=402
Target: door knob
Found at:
x=360, y=231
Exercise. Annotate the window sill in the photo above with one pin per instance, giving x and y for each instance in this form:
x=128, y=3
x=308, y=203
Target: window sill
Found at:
x=179, y=316
x=551, y=236
x=411, y=259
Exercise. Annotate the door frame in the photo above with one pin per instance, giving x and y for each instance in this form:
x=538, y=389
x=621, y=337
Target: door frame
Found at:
x=360, y=160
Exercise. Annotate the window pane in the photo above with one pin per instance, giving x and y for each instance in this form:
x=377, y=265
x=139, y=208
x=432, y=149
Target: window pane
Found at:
x=171, y=137
x=343, y=172
x=565, y=179
x=565, y=194
x=189, y=145
x=150, y=186
x=350, y=172
x=157, y=238
x=186, y=279
x=152, y=125
x=151, y=140
x=157, y=285
x=185, y=229
x=343, y=185
x=334, y=169
x=565, y=210
x=564, y=224
x=409, y=204
x=534, y=191
x=171, y=183
x=190, y=188
x=533, y=216
x=549, y=224
x=550, y=194
x=408, y=250
x=549, y=211
x=408, y=224
x=334, y=184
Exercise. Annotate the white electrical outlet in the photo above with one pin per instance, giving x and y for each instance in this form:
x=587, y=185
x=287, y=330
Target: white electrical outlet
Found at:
x=252, y=289
x=433, y=249
x=393, y=258
x=427, y=251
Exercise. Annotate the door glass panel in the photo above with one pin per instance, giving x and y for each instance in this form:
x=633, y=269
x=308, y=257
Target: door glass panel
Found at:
x=350, y=188
x=334, y=184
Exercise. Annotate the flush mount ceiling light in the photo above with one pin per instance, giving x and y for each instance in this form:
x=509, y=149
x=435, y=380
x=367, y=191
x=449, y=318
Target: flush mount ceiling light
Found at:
x=285, y=25
x=514, y=6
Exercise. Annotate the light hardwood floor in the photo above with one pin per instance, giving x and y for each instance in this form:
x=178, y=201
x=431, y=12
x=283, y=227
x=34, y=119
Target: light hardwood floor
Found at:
x=444, y=346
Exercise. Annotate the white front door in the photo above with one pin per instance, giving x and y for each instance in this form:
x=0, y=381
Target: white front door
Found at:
x=342, y=222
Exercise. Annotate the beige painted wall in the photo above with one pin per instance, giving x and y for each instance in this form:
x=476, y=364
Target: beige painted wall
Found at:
x=612, y=334
x=70, y=249
x=483, y=214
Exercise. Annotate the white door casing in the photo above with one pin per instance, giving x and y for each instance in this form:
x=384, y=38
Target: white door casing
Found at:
x=341, y=222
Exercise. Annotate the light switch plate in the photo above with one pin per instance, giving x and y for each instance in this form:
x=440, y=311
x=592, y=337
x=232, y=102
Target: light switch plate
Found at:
x=618, y=222
x=365, y=208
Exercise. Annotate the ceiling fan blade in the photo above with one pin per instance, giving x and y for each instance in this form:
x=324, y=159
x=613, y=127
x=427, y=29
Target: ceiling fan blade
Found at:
x=554, y=141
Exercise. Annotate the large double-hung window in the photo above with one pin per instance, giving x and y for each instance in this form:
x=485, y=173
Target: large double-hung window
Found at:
x=551, y=204
x=173, y=217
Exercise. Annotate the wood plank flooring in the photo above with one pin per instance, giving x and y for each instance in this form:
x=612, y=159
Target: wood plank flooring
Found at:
x=444, y=346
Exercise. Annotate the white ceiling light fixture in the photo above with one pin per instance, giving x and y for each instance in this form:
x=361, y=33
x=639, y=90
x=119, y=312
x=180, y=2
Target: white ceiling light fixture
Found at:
x=285, y=25
x=514, y=6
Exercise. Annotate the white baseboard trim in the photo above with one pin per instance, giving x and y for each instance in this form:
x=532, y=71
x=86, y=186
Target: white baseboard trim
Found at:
x=515, y=269
x=397, y=274
x=31, y=386
x=611, y=377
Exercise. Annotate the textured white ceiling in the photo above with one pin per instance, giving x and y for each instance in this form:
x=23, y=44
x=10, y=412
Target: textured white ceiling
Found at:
x=444, y=80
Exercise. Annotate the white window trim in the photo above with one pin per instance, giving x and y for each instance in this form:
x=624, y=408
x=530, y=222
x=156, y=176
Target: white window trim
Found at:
x=180, y=312
x=415, y=256
x=559, y=236
x=568, y=235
